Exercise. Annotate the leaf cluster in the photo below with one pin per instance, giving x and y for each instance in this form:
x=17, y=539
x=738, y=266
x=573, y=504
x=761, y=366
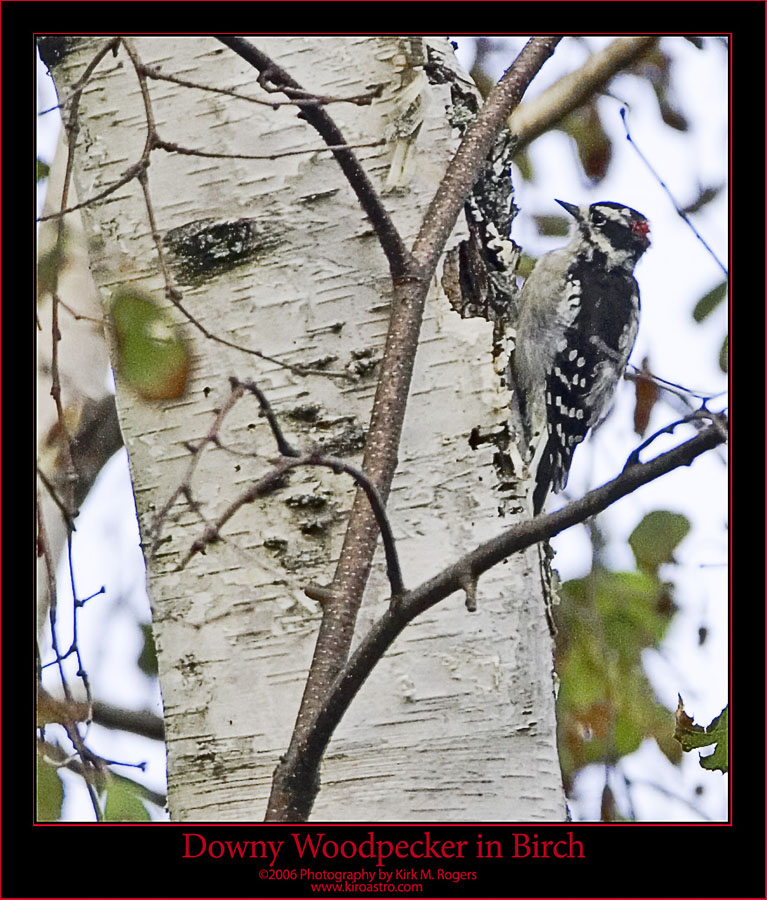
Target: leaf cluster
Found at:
x=606, y=621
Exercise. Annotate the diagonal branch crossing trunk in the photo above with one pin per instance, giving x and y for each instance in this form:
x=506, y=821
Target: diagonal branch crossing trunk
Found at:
x=276, y=255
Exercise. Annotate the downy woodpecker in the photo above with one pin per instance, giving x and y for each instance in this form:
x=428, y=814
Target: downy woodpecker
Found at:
x=578, y=319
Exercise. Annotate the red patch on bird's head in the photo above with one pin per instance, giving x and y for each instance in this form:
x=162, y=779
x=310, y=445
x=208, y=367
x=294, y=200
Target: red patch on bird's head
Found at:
x=642, y=228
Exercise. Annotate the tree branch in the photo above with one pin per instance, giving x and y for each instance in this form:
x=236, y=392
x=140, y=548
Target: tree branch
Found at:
x=295, y=784
x=532, y=119
x=452, y=579
x=320, y=119
x=144, y=723
x=310, y=99
x=273, y=478
x=465, y=166
x=289, y=458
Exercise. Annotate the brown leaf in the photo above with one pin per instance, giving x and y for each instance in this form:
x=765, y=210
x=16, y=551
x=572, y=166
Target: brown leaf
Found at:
x=609, y=811
x=646, y=394
x=60, y=712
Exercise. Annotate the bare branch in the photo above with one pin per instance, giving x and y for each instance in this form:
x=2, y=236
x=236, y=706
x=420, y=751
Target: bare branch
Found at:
x=672, y=387
x=272, y=480
x=170, y=147
x=289, y=459
x=301, y=762
x=532, y=119
x=128, y=175
x=697, y=417
x=267, y=412
x=308, y=99
x=339, y=466
x=147, y=724
x=159, y=520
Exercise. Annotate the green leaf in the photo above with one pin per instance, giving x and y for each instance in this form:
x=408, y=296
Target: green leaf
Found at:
x=151, y=356
x=50, y=261
x=524, y=164
x=656, y=537
x=553, y=226
x=593, y=144
x=693, y=737
x=147, y=660
x=623, y=611
x=705, y=196
x=606, y=706
x=49, y=792
x=664, y=736
x=41, y=170
x=630, y=721
x=124, y=802
x=724, y=355
x=709, y=302
x=656, y=66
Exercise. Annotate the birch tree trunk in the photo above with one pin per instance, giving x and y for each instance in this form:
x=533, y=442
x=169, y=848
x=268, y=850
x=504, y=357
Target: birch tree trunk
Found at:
x=457, y=722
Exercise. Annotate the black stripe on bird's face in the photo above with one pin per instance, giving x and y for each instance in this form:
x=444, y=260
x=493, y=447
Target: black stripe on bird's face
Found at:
x=625, y=229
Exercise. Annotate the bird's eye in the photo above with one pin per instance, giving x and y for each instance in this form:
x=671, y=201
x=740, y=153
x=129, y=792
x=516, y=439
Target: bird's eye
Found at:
x=597, y=218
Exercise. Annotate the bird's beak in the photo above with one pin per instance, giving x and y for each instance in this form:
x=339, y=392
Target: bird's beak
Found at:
x=571, y=208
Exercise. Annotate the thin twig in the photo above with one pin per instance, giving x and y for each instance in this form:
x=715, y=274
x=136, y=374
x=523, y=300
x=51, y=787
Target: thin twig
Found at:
x=130, y=173
x=65, y=514
x=264, y=485
x=393, y=569
x=307, y=100
x=339, y=466
x=671, y=386
x=170, y=147
x=283, y=445
x=680, y=212
x=697, y=415
x=80, y=317
x=158, y=522
x=290, y=458
x=273, y=478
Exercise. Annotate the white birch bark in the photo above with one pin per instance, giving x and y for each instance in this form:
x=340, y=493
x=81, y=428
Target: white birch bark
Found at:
x=457, y=723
